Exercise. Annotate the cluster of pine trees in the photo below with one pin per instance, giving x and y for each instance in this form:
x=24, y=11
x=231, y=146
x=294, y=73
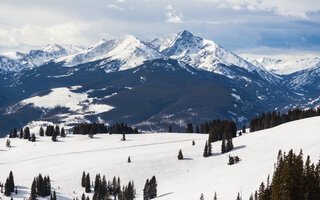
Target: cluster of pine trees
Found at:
x=272, y=119
x=292, y=179
x=90, y=128
x=150, y=189
x=41, y=186
x=122, y=128
x=93, y=128
x=103, y=188
x=9, y=185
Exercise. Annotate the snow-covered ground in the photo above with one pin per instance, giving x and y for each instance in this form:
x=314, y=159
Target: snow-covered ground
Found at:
x=156, y=154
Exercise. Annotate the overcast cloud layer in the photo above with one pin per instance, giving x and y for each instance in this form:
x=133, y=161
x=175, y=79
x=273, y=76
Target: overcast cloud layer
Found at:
x=245, y=26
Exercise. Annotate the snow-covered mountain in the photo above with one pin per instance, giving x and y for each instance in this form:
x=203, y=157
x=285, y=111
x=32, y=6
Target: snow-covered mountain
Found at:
x=128, y=52
x=156, y=155
x=285, y=67
x=206, y=55
x=17, y=61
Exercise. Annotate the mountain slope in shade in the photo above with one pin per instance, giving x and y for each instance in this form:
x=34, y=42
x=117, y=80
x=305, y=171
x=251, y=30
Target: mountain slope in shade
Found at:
x=205, y=54
x=285, y=67
x=128, y=52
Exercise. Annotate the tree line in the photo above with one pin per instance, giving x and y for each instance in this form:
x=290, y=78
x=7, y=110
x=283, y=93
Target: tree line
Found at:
x=272, y=119
x=93, y=128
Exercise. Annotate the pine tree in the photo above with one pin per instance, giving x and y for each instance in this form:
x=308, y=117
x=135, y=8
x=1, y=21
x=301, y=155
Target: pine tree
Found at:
x=238, y=197
x=11, y=182
x=189, y=128
x=54, y=196
x=170, y=129
x=21, y=133
x=7, y=188
x=87, y=184
x=33, y=137
x=63, y=132
x=197, y=129
x=223, y=146
x=215, y=196
x=205, y=151
x=201, y=197
x=146, y=195
x=33, y=193
x=153, y=187
x=54, y=136
x=41, y=131
x=26, y=134
x=83, y=196
x=180, y=155
x=209, y=148
x=129, y=159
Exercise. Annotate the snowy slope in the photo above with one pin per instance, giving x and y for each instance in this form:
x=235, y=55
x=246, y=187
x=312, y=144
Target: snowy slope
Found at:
x=284, y=67
x=156, y=154
x=129, y=51
x=205, y=54
x=17, y=61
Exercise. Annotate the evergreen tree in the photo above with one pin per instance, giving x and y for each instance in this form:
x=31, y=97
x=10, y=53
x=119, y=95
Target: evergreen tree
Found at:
x=63, y=132
x=215, y=196
x=21, y=133
x=189, y=128
x=223, y=146
x=57, y=130
x=54, y=136
x=238, y=197
x=170, y=129
x=180, y=155
x=153, y=187
x=243, y=129
x=41, y=131
x=209, y=148
x=197, y=129
x=33, y=193
x=201, y=197
x=26, y=133
x=11, y=182
x=87, y=184
x=7, y=189
x=54, y=196
x=33, y=137
x=205, y=152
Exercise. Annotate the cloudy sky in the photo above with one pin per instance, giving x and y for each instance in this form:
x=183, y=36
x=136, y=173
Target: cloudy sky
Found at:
x=244, y=26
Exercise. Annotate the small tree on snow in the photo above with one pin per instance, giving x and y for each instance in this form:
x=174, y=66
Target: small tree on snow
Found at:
x=180, y=155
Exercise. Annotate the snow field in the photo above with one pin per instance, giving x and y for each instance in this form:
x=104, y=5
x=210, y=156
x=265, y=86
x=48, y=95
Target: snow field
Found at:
x=156, y=154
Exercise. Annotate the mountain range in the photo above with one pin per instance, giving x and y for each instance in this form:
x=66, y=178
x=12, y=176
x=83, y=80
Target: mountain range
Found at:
x=149, y=84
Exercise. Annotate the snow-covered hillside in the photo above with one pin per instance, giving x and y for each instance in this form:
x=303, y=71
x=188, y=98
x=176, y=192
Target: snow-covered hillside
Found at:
x=156, y=154
x=284, y=67
x=205, y=54
x=128, y=51
x=17, y=61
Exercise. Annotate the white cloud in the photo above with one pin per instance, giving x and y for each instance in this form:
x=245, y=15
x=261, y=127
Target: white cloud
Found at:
x=292, y=8
x=35, y=35
x=172, y=15
x=121, y=1
x=114, y=6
